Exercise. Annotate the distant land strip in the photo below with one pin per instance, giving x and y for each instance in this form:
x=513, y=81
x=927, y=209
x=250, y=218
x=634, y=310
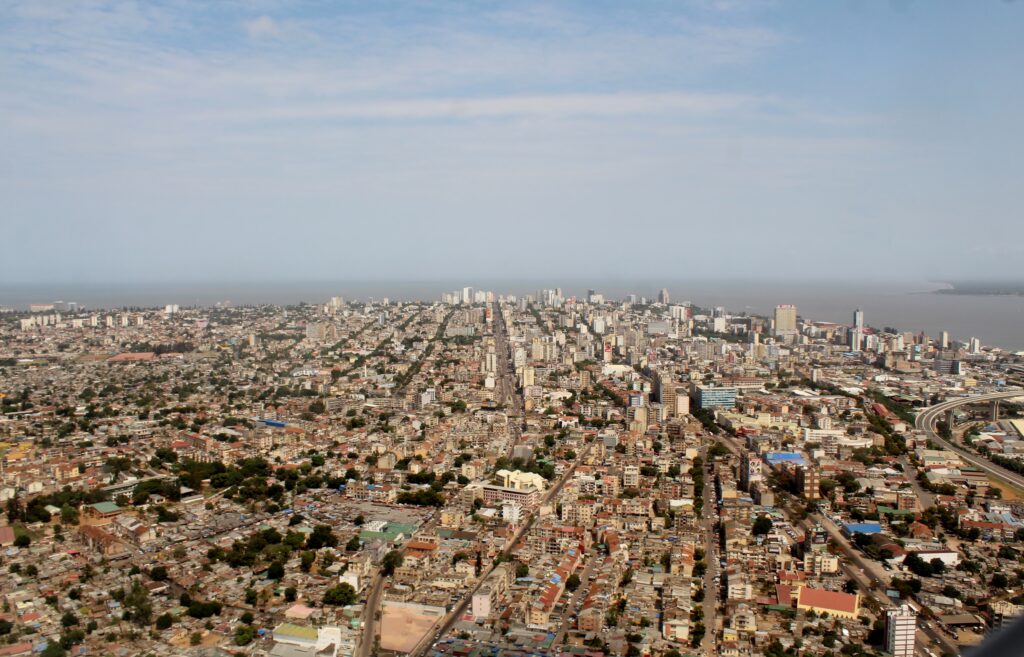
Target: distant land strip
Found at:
x=1015, y=289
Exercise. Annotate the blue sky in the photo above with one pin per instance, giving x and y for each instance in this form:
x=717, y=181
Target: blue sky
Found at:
x=183, y=141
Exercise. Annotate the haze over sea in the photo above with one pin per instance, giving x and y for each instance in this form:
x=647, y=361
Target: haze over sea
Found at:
x=996, y=320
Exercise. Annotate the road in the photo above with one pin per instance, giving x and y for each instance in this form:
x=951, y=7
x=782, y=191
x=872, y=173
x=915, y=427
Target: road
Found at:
x=458, y=610
x=570, y=606
x=928, y=418
x=505, y=379
x=927, y=499
x=711, y=590
x=370, y=617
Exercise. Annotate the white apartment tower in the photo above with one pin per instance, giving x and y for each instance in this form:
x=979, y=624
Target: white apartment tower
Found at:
x=900, y=631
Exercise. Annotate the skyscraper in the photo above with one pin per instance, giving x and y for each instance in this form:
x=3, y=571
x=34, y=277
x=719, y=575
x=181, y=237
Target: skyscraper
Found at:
x=663, y=296
x=900, y=631
x=785, y=320
x=858, y=319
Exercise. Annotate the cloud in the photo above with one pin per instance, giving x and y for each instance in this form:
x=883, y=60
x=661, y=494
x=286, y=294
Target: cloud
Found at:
x=262, y=27
x=510, y=106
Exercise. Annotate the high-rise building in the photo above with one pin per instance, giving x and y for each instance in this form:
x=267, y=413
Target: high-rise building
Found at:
x=944, y=340
x=663, y=296
x=785, y=320
x=808, y=482
x=750, y=470
x=900, y=631
x=667, y=393
x=858, y=319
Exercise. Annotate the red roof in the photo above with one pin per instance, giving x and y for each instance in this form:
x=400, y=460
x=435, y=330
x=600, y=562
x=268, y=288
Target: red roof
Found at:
x=829, y=600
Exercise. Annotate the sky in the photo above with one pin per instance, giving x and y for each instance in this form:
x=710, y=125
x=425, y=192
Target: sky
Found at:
x=263, y=140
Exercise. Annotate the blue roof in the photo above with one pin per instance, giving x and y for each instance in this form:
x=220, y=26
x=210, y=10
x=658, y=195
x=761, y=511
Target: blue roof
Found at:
x=788, y=457
x=863, y=527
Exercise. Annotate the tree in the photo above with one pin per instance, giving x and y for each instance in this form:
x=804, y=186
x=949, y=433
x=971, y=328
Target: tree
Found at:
x=572, y=583
x=158, y=573
x=68, y=619
x=137, y=601
x=275, y=571
x=762, y=525
x=244, y=634
x=390, y=562
x=353, y=544
x=522, y=570
x=290, y=594
x=164, y=621
x=322, y=536
x=54, y=649
x=23, y=541
x=307, y=559
x=341, y=595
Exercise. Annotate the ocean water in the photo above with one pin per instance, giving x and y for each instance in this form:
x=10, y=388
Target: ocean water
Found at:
x=996, y=320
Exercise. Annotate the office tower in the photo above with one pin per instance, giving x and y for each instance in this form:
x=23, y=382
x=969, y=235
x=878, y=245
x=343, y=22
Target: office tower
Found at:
x=855, y=336
x=974, y=346
x=944, y=340
x=785, y=320
x=663, y=296
x=705, y=397
x=900, y=631
x=858, y=319
x=667, y=393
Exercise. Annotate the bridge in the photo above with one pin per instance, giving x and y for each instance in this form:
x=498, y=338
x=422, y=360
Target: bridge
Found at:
x=928, y=419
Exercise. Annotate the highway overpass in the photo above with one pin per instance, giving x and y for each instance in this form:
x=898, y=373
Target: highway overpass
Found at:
x=927, y=420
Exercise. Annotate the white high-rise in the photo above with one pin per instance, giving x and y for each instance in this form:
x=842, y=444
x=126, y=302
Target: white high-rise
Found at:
x=900, y=631
x=858, y=319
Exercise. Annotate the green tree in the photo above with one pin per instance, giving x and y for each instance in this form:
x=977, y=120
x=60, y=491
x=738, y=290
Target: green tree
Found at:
x=244, y=634
x=390, y=562
x=321, y=537
x=164, y=621
x=341, y=595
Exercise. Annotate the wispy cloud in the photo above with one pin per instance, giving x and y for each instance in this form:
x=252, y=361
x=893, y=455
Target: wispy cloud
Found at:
x=468, y=107
x=261, y=27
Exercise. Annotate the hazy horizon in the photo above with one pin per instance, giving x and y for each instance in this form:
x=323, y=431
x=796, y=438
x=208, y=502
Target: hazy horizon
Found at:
x=907, y=305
